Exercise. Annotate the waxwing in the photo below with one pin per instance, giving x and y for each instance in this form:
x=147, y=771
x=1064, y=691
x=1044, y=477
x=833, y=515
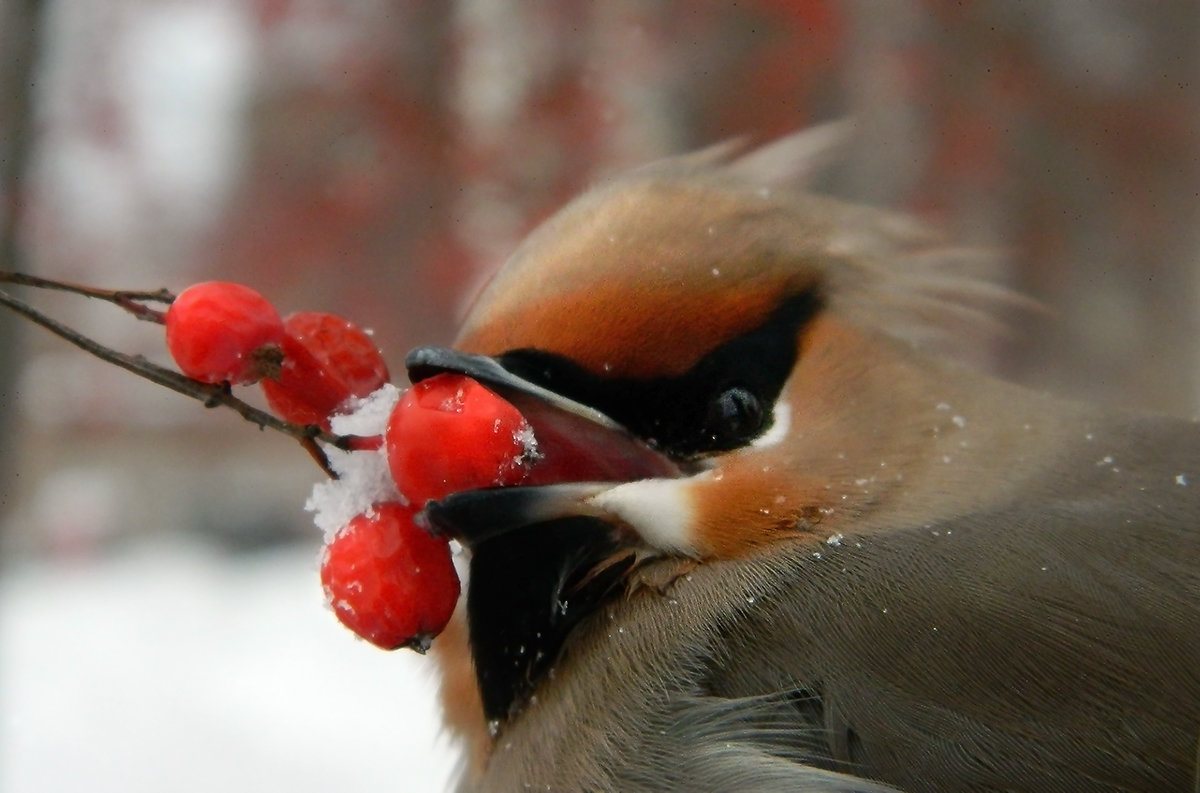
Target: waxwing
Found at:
x=778, y=544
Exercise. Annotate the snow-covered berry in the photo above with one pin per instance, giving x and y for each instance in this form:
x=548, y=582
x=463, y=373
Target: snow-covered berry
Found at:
x=327, y=360
x=389, y=580
x=449, y=433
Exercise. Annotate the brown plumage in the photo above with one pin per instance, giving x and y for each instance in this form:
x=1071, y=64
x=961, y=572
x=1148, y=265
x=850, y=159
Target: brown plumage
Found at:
x=838, y=562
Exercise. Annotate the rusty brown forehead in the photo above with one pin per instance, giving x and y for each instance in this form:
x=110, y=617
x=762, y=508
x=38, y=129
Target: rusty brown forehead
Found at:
x=645, y=278
x=629, y=330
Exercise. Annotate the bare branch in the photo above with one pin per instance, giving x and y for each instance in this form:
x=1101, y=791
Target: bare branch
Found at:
x=209, y=394
x=129, y=299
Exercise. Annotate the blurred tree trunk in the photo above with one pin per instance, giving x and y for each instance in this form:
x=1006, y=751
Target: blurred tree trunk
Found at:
x=20, y=30
x=19, y=39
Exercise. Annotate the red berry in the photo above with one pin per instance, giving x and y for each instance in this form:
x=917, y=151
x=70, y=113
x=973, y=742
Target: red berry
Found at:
x=390, y=581
x=218, y=331
x=326, y=360
x=449, y=433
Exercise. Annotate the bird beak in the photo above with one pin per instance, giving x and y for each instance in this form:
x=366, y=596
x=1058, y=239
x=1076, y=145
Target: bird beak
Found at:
x=583, y=453
x=547, y=553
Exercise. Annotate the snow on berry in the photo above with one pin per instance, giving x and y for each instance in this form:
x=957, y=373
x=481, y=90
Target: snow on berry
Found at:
x=219, y=331
x=389, y=580
x=363, y=476
x=326, y=361
x=450, y=433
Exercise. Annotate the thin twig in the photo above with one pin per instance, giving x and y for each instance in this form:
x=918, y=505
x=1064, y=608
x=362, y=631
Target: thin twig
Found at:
x=211, y=395
x=129, y=299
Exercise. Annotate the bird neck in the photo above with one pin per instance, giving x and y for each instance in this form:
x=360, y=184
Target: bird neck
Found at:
x=899, y=433
x=879, y=436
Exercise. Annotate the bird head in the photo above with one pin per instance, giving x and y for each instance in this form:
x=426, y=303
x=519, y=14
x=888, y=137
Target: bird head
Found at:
x=713, y=362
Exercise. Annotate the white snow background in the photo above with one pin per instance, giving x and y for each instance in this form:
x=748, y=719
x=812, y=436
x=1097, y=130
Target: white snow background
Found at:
x=176, y=669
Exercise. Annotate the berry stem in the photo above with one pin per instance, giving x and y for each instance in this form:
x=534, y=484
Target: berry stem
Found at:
x=129, y=299
x=210, y=395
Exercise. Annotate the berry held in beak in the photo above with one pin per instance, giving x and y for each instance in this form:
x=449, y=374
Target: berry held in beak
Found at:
x=775, y=542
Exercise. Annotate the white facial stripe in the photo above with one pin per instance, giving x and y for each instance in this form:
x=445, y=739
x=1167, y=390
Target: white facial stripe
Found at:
x=782, y=415
x=659, y=510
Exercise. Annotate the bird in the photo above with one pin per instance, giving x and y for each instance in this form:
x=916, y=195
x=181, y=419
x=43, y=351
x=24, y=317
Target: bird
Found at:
x=781, y=540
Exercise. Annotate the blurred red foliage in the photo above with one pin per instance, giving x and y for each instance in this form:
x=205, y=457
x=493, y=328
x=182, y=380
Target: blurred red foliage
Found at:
x=399, y=149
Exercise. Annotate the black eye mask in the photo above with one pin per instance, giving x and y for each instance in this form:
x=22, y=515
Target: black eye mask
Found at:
x=723, y=402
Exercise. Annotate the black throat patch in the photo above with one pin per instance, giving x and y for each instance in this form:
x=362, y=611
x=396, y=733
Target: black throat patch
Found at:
x=528, y=589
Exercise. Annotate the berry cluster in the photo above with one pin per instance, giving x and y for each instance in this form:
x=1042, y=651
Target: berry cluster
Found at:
x=387, y=577
x=309, y=364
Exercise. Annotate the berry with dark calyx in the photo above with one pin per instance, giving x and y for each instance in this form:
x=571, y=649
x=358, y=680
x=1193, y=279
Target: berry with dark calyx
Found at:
x=326, y=361
x=390, y=581
x=449, y=433
x=219, y=331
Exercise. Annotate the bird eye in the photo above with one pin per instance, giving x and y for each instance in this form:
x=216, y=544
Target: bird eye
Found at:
x=735, y=414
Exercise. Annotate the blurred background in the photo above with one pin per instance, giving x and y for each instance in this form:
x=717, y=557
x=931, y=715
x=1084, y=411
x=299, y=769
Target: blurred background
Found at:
x=161, y=624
